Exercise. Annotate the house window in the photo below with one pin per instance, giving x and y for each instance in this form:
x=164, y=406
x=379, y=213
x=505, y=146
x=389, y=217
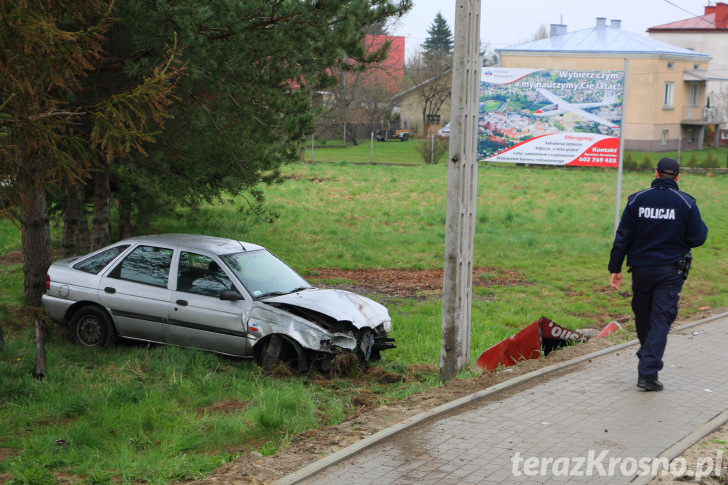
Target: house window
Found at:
x=670, y=65
x=669, y=91
x=694, y=94
x=665, y=134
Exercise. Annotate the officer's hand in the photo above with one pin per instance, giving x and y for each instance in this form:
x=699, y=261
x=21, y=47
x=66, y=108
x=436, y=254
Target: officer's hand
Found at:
x=615, y=280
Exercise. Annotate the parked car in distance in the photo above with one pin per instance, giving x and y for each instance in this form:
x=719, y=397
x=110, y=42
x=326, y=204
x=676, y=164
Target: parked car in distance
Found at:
x=444, y=131
x=215, y=294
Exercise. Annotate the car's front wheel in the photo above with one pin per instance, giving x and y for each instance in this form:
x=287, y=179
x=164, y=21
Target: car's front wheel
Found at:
x=92, y=327
x=279, y=349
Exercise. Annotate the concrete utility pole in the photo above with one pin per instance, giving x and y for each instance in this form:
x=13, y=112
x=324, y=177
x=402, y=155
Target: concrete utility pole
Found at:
x=620, y=162
x=462, y=181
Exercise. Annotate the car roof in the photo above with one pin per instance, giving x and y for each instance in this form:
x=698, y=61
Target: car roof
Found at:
x=217, y=245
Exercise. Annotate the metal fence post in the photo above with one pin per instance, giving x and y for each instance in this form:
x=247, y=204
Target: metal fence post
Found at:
x=371, y=150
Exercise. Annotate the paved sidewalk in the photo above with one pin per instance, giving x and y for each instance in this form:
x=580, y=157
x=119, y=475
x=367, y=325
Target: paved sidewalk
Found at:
x=586, y=413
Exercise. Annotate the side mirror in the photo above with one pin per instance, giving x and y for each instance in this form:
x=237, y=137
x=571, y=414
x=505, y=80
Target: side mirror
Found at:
x=231, y=295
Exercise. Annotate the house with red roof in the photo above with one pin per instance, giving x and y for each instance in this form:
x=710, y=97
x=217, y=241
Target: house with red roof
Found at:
x=389, y=73
x=707, y=33
x=361, y=100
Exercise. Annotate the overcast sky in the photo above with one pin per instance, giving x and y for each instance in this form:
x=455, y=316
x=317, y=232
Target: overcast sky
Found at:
x=509, y=22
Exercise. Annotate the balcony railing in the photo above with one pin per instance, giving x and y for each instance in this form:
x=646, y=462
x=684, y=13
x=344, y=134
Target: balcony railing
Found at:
x=701, y=113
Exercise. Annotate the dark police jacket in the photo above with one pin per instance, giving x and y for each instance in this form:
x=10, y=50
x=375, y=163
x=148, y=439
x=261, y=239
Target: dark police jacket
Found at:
x=659, y=225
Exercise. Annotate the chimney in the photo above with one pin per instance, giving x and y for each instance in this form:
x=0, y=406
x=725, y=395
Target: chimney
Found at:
x=601, y=21
x=720, y=10
x=615, y=23
x=557, y=29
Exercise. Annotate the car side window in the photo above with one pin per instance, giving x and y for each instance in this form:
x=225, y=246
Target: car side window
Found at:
x=145, y=264
x=97, y=262
x=201, y=275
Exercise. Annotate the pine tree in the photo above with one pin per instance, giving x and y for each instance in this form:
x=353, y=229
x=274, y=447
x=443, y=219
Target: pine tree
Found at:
x=245, y=107
x=440, y=38
x=57, y=134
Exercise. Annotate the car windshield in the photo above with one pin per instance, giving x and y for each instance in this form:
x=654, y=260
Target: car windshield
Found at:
x=263, y=274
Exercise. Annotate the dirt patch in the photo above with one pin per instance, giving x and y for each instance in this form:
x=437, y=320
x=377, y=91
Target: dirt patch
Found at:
x=12, y=257
x=405, y=283
x=227, y=406
x=316, y=180
x=6, y=453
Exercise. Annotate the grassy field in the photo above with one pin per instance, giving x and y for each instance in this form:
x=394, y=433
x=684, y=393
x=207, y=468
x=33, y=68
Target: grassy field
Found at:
x=389, y=152
x=158, y=414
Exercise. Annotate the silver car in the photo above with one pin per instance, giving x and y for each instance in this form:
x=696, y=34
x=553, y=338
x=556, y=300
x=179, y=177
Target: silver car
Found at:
x=215, y=294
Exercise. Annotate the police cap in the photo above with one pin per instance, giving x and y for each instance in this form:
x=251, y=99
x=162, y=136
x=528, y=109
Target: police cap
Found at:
x=668, y=166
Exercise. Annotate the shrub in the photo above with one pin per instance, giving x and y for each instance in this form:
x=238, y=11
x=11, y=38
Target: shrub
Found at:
x=710, y=161
x=432, y=152
x=647, y=163
x=628, y=162
x=692, y=160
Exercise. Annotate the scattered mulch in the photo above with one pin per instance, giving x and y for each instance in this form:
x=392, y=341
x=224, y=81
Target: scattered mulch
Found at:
x=316, y=180
x=16, y=256
x=408, y=283
x=228, y=406
x=12, y=257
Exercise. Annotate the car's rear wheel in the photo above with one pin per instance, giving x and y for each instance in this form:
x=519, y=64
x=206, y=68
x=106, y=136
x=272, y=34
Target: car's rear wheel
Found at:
x=92, y=327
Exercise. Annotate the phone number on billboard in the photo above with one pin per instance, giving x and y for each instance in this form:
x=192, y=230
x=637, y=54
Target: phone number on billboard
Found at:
x=588, y=159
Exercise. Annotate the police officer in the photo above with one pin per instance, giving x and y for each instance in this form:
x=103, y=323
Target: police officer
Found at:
x=659, y=225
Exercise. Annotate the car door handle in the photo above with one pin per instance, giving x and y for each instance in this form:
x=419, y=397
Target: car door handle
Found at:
x=182, y=302
x=109, y=289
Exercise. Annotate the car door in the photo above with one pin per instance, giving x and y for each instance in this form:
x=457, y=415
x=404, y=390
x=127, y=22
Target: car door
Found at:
x=198, y=316
x=136, y=292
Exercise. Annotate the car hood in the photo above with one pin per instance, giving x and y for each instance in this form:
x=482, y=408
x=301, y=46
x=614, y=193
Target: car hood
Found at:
x=342, y=306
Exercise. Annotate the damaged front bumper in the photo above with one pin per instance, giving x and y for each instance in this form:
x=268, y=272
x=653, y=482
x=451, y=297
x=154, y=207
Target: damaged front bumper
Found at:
x=328, y=321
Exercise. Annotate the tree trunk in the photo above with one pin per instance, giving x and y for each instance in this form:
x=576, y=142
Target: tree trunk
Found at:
x=351, y=133
x=84, y=238
x=142, y=218
x=102, y=194
x=125, y=225
x=34, y=228
x=71, y=224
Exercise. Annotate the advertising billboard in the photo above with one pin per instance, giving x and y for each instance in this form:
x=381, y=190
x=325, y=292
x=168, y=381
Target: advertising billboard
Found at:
x=550, y=117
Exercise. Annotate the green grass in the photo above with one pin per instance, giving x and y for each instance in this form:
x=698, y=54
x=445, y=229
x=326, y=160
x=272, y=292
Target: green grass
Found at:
x=11, y=275
x=398, y=152
x=160, y=414
x=145, y=414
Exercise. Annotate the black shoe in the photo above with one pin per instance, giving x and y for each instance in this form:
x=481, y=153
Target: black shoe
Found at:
x=649, y=384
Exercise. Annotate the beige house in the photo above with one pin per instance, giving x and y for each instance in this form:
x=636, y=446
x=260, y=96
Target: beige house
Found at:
x=410, y=105
x=665, y=104
x=707, y=33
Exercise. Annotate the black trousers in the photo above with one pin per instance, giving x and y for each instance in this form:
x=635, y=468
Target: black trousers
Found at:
x=655, y=295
